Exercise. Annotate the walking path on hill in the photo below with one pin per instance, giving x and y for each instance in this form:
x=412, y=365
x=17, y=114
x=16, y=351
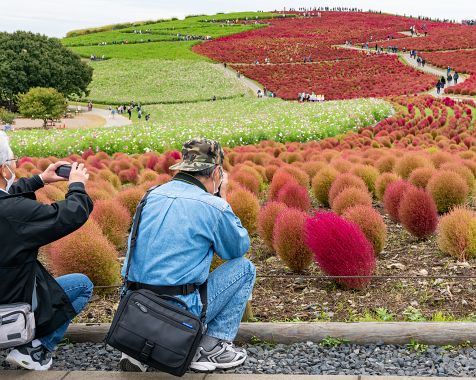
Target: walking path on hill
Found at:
x=429, y=69
x=229, y=72
x=117, y=121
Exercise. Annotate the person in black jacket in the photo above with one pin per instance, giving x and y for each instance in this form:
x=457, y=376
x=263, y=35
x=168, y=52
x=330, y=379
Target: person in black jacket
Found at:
x=25, y=226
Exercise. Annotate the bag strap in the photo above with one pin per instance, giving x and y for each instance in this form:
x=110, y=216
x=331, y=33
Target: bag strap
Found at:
x=180, y=289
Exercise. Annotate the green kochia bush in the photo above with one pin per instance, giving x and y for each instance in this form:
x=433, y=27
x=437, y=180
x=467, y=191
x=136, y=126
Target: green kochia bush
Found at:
x=457, y=233
x=448, y=189
x=86, y=251
x=288, y=240
x=370, y=223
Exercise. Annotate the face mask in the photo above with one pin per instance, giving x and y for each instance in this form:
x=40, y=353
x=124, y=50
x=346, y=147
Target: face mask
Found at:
x=11, y=180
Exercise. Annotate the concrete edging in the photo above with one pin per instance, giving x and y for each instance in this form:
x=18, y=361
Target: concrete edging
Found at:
x=398, y=333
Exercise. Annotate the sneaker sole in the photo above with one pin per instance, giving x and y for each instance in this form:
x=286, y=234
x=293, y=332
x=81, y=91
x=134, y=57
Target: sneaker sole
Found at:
x=209, y=366
x=17, y=359
x=127, y=366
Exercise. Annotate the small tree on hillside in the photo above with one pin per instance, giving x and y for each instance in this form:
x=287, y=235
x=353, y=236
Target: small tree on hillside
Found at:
x=42, y=103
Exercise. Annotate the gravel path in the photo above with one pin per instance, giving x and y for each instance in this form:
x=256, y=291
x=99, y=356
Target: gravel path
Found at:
x=117, y=121
x=229, y=72
x=302, y=358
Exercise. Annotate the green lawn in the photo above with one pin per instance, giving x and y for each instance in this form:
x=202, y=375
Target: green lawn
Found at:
x=233, y=122
x=154, y=50
x=148, y=81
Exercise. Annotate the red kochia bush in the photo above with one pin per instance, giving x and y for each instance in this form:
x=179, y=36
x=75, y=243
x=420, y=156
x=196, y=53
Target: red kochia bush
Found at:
x=280, y=179
x=288, y=240
x=393, y=196
x=296, y=196
x=267, y=220
x=114, y=220
x=417, y=212
x=340, y=248
x=247, y=180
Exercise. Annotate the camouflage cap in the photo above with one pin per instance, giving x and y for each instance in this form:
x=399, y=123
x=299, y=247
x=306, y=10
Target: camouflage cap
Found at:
x=199, y=154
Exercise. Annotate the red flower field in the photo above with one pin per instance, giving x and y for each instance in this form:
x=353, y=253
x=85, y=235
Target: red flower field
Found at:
x=364, y=76
x=339, y=73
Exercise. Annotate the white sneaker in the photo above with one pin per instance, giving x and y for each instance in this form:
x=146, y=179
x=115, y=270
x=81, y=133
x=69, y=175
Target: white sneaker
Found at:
x=128, y=364
x=31, y=356
x=224, y=355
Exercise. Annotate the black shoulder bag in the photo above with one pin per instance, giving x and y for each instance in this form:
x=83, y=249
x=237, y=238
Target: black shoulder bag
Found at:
x=150, y=328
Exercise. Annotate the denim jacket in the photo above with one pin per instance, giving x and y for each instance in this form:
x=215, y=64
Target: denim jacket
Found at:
x=182, y=225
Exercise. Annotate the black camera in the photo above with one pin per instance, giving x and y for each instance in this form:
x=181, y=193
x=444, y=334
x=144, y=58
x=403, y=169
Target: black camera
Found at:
x=63, y=171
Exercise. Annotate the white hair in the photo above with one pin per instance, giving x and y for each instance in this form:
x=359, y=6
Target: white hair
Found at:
x=5, y=150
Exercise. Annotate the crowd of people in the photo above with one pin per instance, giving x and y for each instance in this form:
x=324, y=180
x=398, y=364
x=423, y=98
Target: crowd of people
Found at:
x=451, y=79
x=129, y=109
x=305, y=97
x=469, y=22
x=265, y=93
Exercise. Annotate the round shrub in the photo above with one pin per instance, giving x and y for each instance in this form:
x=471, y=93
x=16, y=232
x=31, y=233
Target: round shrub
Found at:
x=312, y=167
x=420, y=177
x=246, y=206
x=288, y=240
x=114, y=220
x=448, y=189
x=52, y=193
x=86, y=251
x=129, y=175
x=130, y=198
x=393, y=196
x=321, y=184
x=300, y=176
x=383, y=180
x=247, y=180
x=370, y=223
x=368, y=174
x=267, y=220
x=341, y=165
x=417, y=213
x=280, y=179
x=110, y=177
x=457, y=233
x=462, y=170
x=344, y=181
x=296, y=196
x=147, y=175
x=409, y=162
x=270, y=170
x=351, y=197
x=340, y=248
x=385, y=164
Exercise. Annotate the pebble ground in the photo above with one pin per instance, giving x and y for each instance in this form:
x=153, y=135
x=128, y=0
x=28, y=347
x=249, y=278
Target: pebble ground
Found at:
x=301, y=358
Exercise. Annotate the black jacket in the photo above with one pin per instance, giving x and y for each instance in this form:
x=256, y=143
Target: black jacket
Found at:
x=25, y=226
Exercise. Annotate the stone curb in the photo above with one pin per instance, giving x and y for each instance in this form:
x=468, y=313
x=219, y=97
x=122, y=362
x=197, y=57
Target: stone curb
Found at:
x=90, y=375
x=398, y=333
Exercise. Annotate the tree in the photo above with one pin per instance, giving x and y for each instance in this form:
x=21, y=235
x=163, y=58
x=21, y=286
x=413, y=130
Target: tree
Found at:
x=6, y=117
x=30, y=60
x=42, y=103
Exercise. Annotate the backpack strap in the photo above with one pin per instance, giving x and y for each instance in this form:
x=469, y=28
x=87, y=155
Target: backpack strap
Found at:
x=166, y=290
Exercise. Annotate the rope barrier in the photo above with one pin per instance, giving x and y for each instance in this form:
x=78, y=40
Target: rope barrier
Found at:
x=328, y=278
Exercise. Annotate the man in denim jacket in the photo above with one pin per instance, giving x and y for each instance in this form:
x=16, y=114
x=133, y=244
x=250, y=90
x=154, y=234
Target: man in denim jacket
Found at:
x=183, y=223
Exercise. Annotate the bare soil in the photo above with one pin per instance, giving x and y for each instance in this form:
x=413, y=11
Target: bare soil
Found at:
x=280, y=295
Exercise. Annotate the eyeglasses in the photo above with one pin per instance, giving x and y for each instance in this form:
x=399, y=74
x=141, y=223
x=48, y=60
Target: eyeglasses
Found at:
x=15, y=160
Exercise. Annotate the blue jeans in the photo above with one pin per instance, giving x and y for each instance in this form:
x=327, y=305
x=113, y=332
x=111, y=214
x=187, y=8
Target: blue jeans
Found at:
x=229, y=288
x=79, y=290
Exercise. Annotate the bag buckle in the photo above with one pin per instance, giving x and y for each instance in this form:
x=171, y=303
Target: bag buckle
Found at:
x=146, y=351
